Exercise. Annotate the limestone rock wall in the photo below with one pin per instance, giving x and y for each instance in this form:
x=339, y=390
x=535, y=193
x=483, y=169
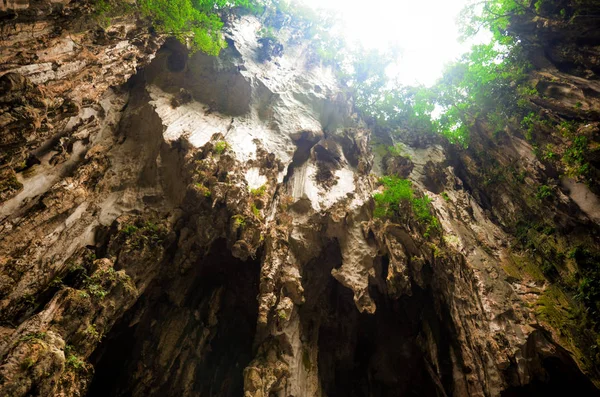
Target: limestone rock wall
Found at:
x=184, y=225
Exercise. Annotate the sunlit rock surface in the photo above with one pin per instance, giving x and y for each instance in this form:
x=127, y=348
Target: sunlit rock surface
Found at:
x=183, y=225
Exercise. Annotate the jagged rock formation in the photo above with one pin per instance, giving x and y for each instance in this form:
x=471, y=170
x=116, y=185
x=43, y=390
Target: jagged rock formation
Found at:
x=178, y=225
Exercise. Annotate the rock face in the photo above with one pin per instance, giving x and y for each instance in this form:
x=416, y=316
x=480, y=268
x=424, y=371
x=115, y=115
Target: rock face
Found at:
x=183, y=225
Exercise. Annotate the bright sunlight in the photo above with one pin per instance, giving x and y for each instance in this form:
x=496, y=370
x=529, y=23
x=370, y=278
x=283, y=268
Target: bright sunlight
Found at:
x=425, y=32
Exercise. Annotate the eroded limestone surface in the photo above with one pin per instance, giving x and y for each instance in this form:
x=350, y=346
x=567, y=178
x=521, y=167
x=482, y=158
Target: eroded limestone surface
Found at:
x=185, y=225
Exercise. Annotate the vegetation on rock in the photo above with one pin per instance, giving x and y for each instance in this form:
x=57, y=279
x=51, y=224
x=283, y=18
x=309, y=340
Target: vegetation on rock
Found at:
x=398, y=199
x=194, y=22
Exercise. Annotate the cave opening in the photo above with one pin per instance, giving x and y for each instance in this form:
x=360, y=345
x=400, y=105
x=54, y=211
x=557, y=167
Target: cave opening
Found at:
x=556, y=375
x=190, y=333
x=362, y=354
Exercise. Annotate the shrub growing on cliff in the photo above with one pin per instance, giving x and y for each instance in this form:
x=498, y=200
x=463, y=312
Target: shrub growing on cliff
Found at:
x=398, y=197
x=221, y=146
x=196, y=20
x=396, y=192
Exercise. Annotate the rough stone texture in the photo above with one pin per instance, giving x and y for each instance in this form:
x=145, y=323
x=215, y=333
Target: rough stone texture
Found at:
x=206, y=229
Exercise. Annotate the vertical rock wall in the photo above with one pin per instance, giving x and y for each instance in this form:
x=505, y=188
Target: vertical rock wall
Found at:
x=180, y=225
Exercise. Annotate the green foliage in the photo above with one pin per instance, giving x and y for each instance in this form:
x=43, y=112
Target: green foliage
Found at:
x=10, y=183
x=259, y=192
x=29, y=299
x=203, y=189
x=27, y=363
x=397, y=196
x=129, y=229
x=221, y=147
x=487, y=84
x=101, y=9
x=549, y=153
x=74, y=362
x=93, y=333
x=421, y=210
x=105, y=10
x=196, y=20
x=528, y=123
x=575, y=157
x=33, y=336
x=445, y=196
x=573, y=323
x=588, y=289
x=387, y=105
x=538, y=239
x=56, y=282
x=519, y=176
x=95, y=289
x=482, y=86
x=143, y=234
x=544, y=191
x=495, y=16
x=239, y=221
x=397, y=150
x=396, y=191
x=99, y=284
x=267, y=33
x=306, y=24
x=256, y=211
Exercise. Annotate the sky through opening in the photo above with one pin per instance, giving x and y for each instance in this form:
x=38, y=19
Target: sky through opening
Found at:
x=425, y=31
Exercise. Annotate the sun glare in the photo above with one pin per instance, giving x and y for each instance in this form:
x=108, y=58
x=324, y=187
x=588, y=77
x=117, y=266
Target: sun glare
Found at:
x=425, y=32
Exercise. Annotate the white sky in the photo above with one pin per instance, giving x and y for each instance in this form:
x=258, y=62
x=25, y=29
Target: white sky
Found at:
x=424, y=30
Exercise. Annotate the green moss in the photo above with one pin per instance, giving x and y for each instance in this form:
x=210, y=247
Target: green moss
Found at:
x=74, y=362
x=33, y=336
x=558, y=310
x=520, y=265
x=588, y=286
x=96, y=290
x=143, y=234
x=575, y=155
x=221, y=147
x=256, y=211
x=380, y=149
x=27, y=363
x=106, y=10
x=512, y=270
x=437, y=251
x=203, y=189
x=129, y=229
x=239, y=221
x=259, y=192
x=544, y=192
x=554, y=307
x=56, y=282
x=519, y=176
x=445, y=196
x=397, y=150
x=10, y=183
x=93, y=333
